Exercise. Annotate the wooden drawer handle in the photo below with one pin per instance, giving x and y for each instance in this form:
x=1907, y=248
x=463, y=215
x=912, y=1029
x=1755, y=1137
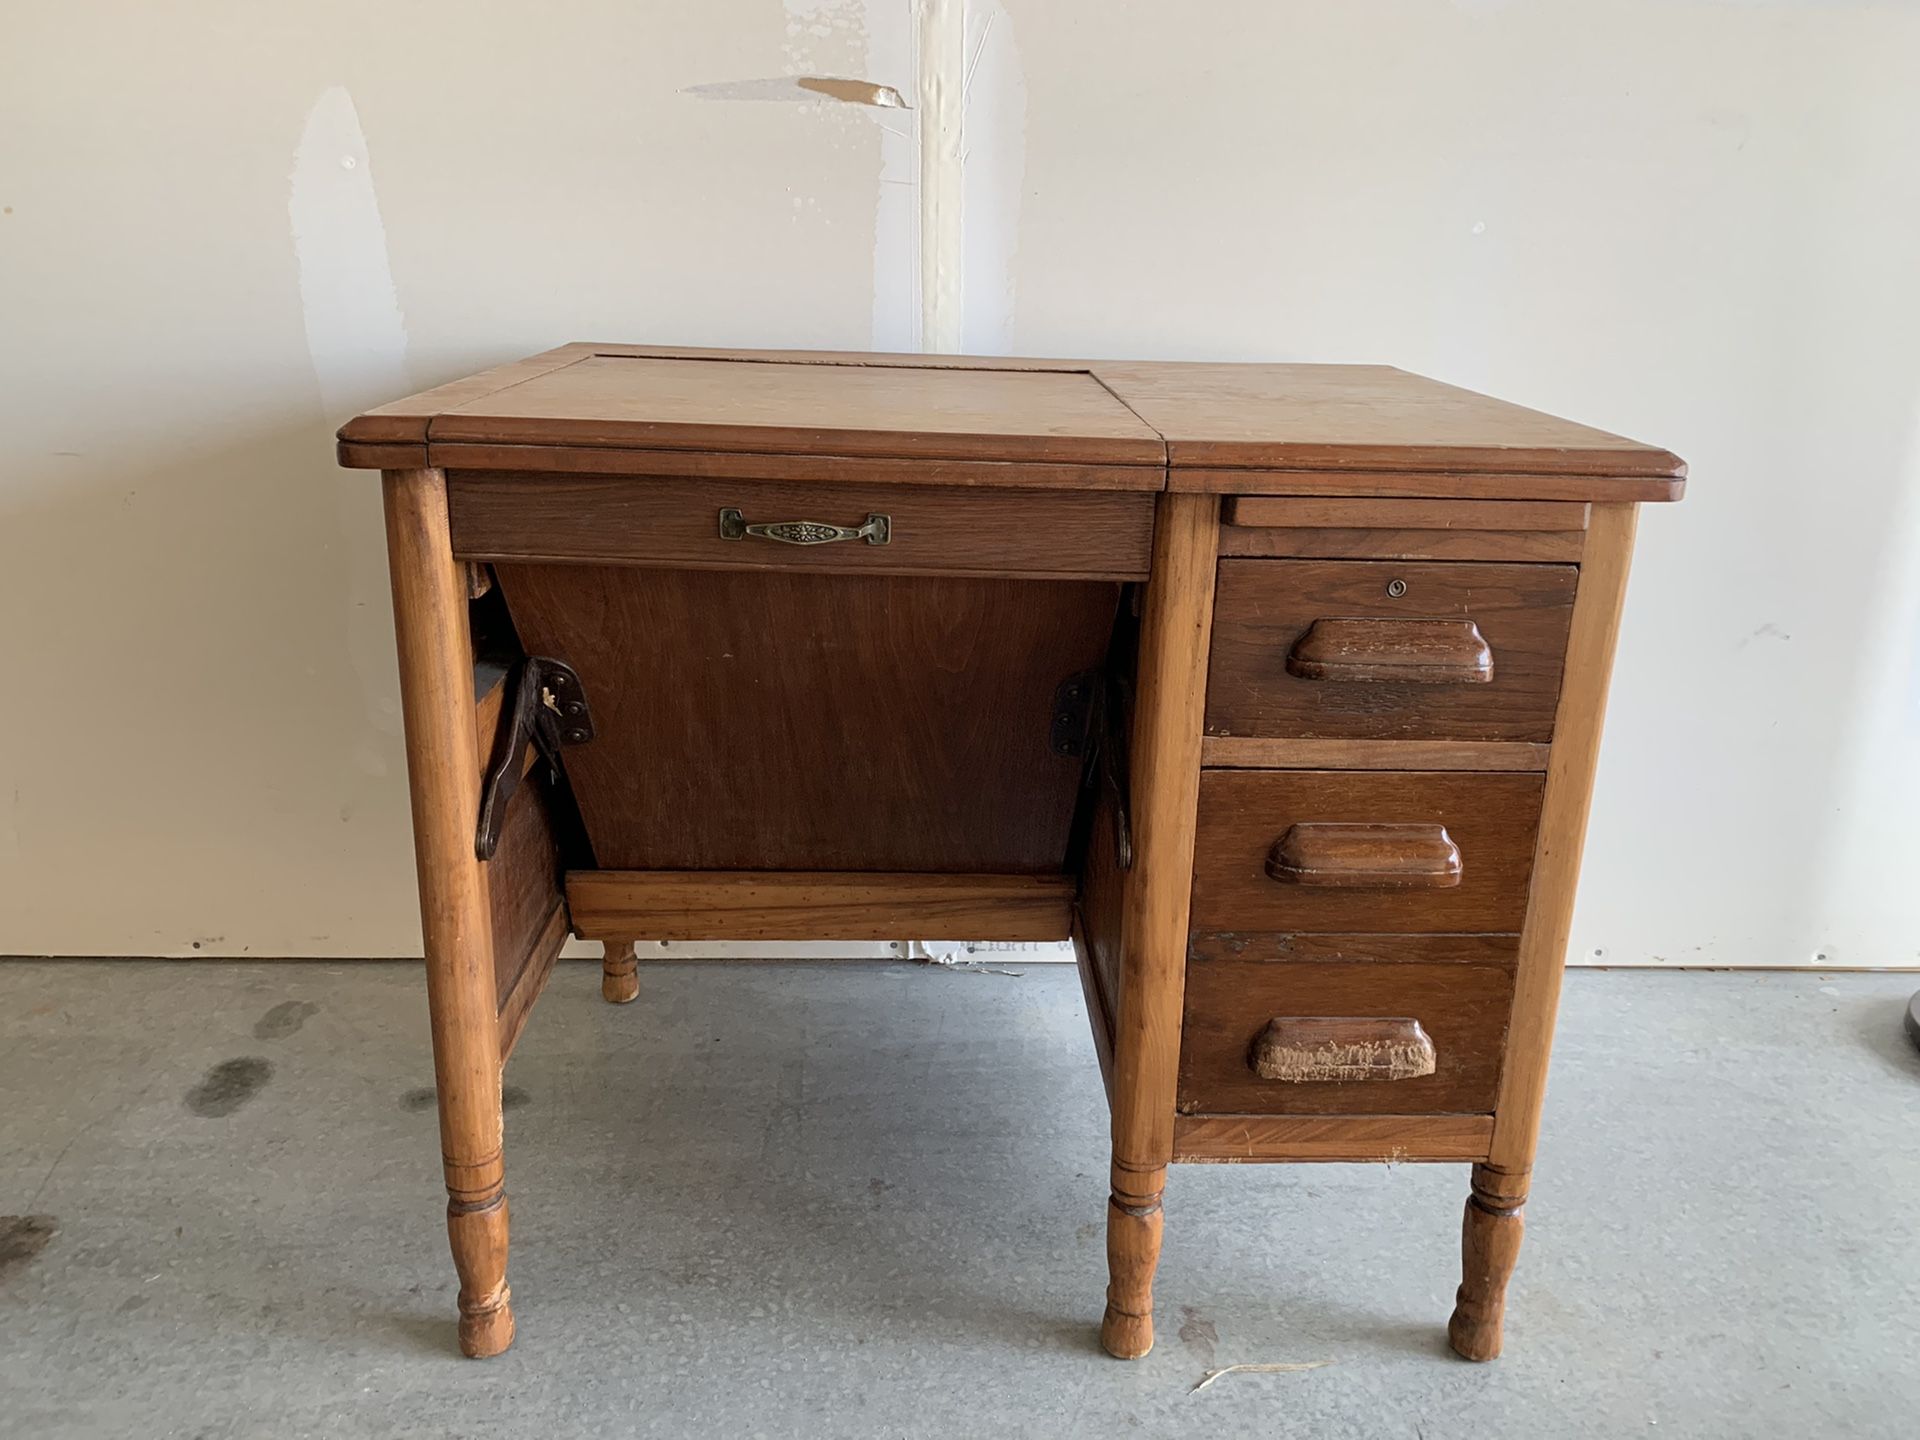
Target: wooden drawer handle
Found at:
x=1413, y=652
x=1296, y=1049
x=1375, y=857
x=1300, y=1048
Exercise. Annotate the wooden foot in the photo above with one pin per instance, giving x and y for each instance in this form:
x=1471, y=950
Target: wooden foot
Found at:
x=619, y=974
x=479, y=1239
x=1133, y=1250
x=1489, y=1247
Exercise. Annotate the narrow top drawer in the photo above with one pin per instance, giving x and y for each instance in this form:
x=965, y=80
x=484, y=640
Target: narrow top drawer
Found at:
x=1359, y=649
x=801, y=526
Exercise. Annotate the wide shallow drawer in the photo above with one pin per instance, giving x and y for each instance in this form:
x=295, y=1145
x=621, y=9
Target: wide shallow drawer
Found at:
x=801, y=526
x=1340, y=851
x=1389, y=649
x=1345, y=1024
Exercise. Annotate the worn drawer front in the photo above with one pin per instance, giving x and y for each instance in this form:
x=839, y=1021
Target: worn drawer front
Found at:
x=1422, y=1018
x=1337, y=851
x=1357, y=649
x=828, y=528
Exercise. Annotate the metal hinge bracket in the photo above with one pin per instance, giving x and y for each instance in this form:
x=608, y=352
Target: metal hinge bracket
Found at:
x=546, y=708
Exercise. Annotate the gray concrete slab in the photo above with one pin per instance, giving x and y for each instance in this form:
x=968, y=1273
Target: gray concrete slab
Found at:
x=866, y=1200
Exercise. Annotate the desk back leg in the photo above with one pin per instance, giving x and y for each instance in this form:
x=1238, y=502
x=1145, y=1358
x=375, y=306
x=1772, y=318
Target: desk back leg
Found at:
x=1170, y=685
x=436, y=697
x=619, y=973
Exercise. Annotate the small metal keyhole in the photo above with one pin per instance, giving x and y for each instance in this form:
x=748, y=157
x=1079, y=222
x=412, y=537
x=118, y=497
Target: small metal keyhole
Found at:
x=1396, y=588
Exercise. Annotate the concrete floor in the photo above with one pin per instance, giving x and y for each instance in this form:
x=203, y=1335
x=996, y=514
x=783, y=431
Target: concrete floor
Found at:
x=866, y=1200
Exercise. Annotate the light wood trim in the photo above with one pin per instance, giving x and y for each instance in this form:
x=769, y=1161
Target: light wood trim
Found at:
x=1099, y=1014
x=1175, y=628
x=1563, y=827
x=439, y=715
x=1318, y=512
x=1426, y=484
x=517, y=1004
x=1536, y=546
x=801, y=905
x=1240, y=1139
x=1245, y=752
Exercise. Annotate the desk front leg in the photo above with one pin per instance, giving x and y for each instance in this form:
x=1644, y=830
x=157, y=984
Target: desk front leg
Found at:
x=1175, y=625
x=436, y=697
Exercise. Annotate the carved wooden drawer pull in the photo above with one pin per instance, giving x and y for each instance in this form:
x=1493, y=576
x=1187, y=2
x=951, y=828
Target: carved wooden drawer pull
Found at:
x=1412, y=652
x=1298, y=1049
x=1378, y=857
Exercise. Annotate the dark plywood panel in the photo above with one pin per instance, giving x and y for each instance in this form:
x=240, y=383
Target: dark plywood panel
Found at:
x=1264, y=608
x=1462, y=1007
x=1243, y=813
x=778, y=721
x=525, y=882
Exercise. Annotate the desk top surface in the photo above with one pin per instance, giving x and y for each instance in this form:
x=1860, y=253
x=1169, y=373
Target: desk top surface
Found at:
x=1145, y=425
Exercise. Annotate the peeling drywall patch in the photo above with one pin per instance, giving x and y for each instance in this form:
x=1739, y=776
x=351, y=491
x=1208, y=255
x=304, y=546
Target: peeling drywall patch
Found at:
x=993, y=158
x=356, y=336
x=940, y=62
x=357, y=345
x=803, y=87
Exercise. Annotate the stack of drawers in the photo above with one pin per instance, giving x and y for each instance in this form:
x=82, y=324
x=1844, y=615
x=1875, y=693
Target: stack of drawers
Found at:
x=1377, y=733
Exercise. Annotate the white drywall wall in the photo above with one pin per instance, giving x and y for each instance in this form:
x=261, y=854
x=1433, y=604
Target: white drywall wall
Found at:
x=228, y=227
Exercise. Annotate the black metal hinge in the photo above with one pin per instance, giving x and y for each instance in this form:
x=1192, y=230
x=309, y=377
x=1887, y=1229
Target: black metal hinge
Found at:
x=546, y=708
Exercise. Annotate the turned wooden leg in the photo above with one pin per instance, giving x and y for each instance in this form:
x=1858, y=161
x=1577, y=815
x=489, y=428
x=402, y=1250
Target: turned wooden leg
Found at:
x=1133, y=1251
x=1489, y=1247
x=619, y=974
x=436, y=697
x=1175, y=622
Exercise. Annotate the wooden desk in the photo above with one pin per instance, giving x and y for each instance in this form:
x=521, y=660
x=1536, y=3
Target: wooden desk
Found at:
x=1278, y=687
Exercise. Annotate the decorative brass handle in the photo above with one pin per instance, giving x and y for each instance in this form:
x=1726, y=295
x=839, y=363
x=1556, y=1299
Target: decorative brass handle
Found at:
x=733, y=526
x=1412, y=652
x=1300, y=1049
x=1365, y=857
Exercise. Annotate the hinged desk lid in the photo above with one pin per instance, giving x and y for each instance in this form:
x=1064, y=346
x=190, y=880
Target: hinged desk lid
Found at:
x=804, y=406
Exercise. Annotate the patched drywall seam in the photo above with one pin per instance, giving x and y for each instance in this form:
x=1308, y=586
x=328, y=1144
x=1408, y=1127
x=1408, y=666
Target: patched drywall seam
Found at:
x=357, y=345
x=993, y=157
x=356, y=336
x=940, y=63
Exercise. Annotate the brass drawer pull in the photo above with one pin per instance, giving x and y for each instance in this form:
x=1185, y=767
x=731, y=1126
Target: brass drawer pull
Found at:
x=1412, y=652
x=733, y=526
x=1375, y=857
x=1298, y=1049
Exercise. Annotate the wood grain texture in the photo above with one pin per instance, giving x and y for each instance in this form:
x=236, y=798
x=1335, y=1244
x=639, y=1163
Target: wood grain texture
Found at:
x=1266, y=607
x=1362, y=417
x=665, y=522
x=1397, y=1139
x=789, y=905
x=1440, y=484
x=516, y=1004
x=1392, y=650
x=1520, y=546
x=1250, y=752
x=1176, y=618
x=1562, y=835
x=1099, y=1012
x=1315, y=511
x=901, y=412
x=1491, y=818
x=1272, y=947
x=620, y=973
x=1490, y=1235
x=1231, y=1002
x=812, y=722
x=438, y=714
x=808, y=468
x=524, y=883
x=406, y=420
